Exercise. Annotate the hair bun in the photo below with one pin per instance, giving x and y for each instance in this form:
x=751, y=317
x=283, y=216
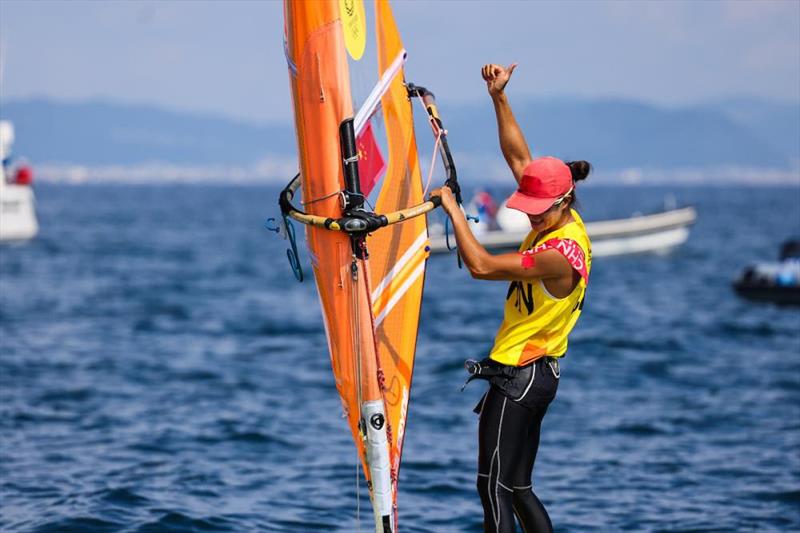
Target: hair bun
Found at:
x=580, y=169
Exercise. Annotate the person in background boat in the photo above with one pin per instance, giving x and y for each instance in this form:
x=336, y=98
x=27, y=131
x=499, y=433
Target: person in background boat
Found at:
x=548, y=277
x=485, y=208
x=789, y=273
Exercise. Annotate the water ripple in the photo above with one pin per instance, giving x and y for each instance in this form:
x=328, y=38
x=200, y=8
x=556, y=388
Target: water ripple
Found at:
x=161, y=371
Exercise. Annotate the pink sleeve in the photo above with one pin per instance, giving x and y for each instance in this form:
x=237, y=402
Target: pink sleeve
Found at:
x=571, y=251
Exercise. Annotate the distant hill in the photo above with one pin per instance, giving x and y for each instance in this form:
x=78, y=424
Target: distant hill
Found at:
x=616, y=134
x=105, y=133
x=612, y=134
x=778, y=124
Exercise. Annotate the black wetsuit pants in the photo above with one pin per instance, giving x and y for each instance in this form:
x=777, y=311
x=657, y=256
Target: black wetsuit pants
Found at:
x=508, y=439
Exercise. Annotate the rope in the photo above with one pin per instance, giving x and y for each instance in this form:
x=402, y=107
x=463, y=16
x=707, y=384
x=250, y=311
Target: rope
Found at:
x=433, y=163
x=341, y=193
x=358, y=495
x=356, y=349
x=447, y=234
x=439, y=132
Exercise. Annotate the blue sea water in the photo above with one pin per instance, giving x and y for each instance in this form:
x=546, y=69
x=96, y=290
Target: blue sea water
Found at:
x=161, y=370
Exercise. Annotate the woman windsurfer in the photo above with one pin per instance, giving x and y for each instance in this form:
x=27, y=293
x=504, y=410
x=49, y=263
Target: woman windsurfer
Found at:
x=548, y=280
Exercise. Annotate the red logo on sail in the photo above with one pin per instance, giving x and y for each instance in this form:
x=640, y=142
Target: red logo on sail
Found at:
x=371, y=164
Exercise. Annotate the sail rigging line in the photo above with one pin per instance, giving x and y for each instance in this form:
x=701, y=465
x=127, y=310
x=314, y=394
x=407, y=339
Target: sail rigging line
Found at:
x=429, y=103
x=433, y=163
x=340, y=193
x=291, y=64
x=286, y=230
x=357, y=361
x=358, y=491
x=439, y=132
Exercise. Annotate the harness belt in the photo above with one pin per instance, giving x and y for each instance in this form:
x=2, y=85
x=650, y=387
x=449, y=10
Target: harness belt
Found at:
x=490, y=369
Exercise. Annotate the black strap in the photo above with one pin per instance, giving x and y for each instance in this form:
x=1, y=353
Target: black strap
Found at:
x=487, y=369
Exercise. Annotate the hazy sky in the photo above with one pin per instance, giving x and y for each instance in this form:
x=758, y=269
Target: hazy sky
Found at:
x=226, y=58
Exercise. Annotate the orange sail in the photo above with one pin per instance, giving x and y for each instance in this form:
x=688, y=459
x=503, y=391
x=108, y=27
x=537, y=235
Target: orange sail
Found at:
x=397, y=253
x=352, y=105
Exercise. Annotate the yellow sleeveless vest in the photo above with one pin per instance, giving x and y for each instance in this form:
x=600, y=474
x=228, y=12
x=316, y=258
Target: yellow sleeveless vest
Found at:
x=535, y=323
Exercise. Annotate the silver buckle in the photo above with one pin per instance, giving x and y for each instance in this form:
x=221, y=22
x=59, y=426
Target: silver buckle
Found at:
x=552, y=362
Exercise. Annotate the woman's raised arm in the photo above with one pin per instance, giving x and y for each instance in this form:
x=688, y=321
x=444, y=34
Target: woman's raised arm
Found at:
x=512, y=140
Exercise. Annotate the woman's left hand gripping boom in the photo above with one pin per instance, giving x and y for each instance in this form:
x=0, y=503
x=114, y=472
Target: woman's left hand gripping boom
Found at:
x=548, y=264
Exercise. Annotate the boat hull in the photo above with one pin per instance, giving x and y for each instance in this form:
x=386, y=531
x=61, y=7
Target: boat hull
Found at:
x=658, y=233
x=772, y=294
x=17, y=213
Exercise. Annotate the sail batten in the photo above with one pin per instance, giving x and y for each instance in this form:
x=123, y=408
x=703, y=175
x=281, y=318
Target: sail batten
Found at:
x=420, y=241
x=374, y=98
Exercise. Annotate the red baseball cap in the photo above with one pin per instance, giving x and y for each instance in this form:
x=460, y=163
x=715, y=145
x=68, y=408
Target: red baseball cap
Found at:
x=544, y=181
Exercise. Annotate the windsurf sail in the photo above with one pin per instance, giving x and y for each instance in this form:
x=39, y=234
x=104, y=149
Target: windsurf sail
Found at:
x=362, y=201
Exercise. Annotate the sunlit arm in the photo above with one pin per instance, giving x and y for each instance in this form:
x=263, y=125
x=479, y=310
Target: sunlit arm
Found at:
x=483, y=265
x=512, y=140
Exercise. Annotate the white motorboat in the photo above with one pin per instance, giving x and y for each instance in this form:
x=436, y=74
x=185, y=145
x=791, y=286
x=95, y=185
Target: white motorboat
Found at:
x=17, y=203
x=654, y=233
